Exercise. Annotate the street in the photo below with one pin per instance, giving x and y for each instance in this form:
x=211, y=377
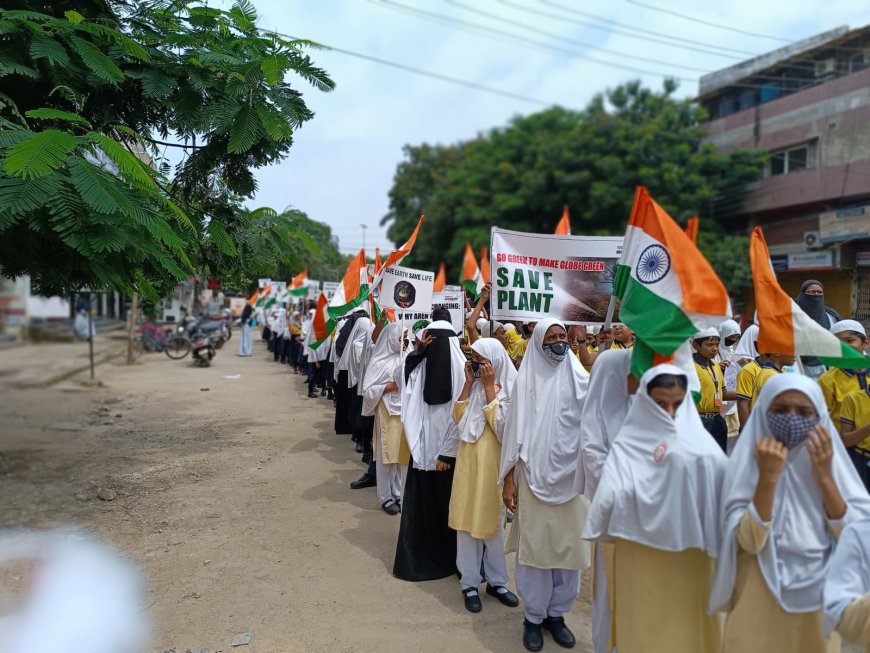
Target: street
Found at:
x=230, y=488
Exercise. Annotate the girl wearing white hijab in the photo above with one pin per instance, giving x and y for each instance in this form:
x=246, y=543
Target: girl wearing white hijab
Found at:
x=475, y=500
x=657, y=500
x=315, y=358
x=382, y=399
x=607, y=403
x=356, y=354
x=538, y=465
x=789, y=490
x=729, y=340
x=847, y=586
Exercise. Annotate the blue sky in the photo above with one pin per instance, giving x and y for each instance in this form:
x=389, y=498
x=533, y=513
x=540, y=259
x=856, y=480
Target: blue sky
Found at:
x=342, y=163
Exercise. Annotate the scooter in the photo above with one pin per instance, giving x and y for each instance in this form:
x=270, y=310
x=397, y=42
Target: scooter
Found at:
x=203, y=350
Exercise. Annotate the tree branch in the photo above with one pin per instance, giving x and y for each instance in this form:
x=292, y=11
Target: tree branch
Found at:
x=179, y=145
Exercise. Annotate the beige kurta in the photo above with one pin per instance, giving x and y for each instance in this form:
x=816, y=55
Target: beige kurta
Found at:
x=757, y=622
x=854, y=624
x=659, y=600
x=547, y=536
x=475, y=501
x=388, y=429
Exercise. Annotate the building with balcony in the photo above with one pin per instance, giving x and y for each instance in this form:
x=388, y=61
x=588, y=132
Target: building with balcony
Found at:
x=808, y=106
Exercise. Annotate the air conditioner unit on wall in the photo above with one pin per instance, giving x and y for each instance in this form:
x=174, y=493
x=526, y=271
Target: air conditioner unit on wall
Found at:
x=826, y=67
x=812, y=240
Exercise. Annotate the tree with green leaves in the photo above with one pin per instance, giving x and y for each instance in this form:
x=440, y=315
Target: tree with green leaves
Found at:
x=520, y=176
x=97, y=96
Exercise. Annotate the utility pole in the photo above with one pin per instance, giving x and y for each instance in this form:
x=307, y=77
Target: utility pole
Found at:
x=131, y=326
x=364, y=227
x=91, y=300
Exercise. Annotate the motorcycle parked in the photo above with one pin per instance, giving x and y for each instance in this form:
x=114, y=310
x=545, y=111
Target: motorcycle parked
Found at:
x=180, y=343
x=203, y=350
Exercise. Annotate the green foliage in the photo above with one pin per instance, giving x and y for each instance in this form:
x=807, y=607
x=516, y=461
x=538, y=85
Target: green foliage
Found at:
x=92, y=100
x=520, y=176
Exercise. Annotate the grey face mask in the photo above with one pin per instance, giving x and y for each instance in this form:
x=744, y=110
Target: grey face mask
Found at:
x=556, y=351
x=790, y=430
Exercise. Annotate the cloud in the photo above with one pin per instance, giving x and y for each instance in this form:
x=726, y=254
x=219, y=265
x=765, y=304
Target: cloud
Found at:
x=342, y=162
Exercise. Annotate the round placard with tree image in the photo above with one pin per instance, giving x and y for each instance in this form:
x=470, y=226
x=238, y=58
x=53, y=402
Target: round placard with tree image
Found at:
x=404, y=294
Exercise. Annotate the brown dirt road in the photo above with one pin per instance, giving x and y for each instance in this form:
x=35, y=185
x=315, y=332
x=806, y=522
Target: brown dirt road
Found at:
x=235, y=502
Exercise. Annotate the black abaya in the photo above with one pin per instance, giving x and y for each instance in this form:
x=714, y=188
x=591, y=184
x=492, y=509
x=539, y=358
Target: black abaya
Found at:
x=426, y=549
x=343, y=397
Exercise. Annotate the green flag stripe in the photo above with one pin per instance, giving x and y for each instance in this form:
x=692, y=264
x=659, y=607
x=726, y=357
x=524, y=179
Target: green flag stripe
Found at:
x=850, y=359
x=662, y=325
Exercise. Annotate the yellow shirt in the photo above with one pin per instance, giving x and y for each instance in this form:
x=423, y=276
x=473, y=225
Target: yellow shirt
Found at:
x=764, y=375
x=746, y=379
x=619, y=345
x=855, y=412
x=836, y=384
x=521, y=348
x=712, y=387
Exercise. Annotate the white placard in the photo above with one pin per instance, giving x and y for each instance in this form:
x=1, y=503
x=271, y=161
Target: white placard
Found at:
x=408, y=292
x=264, y=282
x=546, y=275
x=453, y=302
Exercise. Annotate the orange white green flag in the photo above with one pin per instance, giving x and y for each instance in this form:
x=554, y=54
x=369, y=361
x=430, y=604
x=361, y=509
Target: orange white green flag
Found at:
x=353, y=290
x=471, y=280
x=298, y=287
x=320, y=324
x=564, y=226
x=783, y=327
x=266, y=298
x=440, y=279
x=668, y=290
x=395, y=257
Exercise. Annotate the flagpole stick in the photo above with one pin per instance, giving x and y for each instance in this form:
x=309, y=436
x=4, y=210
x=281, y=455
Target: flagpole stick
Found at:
x=608, y=319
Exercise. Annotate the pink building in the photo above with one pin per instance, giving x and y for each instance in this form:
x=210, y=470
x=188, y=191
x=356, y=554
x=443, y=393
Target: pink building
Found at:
x=808, y=106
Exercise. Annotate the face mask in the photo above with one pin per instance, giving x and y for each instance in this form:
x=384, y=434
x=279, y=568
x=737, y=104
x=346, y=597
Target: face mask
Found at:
x=475, y=369
x=556, y=351
x=790, y=430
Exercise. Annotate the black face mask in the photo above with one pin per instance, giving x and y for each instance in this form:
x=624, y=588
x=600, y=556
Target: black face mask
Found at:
x=475, y=369
x=556, y=351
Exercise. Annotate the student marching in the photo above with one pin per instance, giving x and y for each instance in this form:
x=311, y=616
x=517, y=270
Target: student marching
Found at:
x=705, y=473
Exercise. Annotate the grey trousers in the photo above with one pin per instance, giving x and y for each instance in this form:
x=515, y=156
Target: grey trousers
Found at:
x=546, y=592
x=471, y=552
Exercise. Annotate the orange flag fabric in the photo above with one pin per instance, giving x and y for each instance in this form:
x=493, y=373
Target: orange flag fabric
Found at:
x=564, y=226
x=484, y=264
x=692, y=229
x=440, y=279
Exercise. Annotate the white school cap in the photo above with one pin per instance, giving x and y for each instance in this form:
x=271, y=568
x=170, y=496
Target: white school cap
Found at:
x=849, y=325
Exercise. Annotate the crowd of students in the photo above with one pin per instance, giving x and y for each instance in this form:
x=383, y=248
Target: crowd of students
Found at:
x=737, y=520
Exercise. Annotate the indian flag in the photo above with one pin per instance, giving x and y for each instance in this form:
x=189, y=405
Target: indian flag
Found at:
x=440, y=279
x=265, y=299
x=252, y=300
x=484, y=264
x=352, y=292
x=320, y=325
x=783, y=327
x=471, y=279
x=298, y=287
x=668, y=290
x=564, y=226
x=692, y=228
x=395, y=257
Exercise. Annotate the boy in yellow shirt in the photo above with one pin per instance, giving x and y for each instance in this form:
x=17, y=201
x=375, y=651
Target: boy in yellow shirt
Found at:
x=713, y=391
x=837, y=383
x=771, y=367
x=855, y=431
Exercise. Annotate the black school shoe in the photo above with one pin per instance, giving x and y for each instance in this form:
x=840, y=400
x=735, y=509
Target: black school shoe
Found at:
x=507, y=597
x=472, y=601
x=391, y=507
x=560, y=632
x=533, y=639
x=364, y=481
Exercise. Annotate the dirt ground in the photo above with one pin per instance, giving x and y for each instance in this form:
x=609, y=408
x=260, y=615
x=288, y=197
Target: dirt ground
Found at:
x=232, y=494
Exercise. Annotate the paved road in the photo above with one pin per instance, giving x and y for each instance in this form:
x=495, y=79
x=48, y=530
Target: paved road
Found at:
x=233, y=494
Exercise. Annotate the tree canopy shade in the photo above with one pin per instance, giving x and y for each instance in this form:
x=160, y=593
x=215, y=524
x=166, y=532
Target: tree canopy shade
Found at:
x=89, y=90
x=520, y=177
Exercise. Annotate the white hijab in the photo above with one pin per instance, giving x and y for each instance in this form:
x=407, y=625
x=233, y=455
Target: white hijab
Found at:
x=660, y=484
x=848, y=575
x=794, y=562
x=359, y=345
x=746, y=346
x=727, y=329
x=543, y=425
x=604, y=411
x=384, y=366
x=473, y=421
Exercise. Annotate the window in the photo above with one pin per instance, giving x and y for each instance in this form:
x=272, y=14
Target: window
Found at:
x=792, y=160
x=859, y=61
